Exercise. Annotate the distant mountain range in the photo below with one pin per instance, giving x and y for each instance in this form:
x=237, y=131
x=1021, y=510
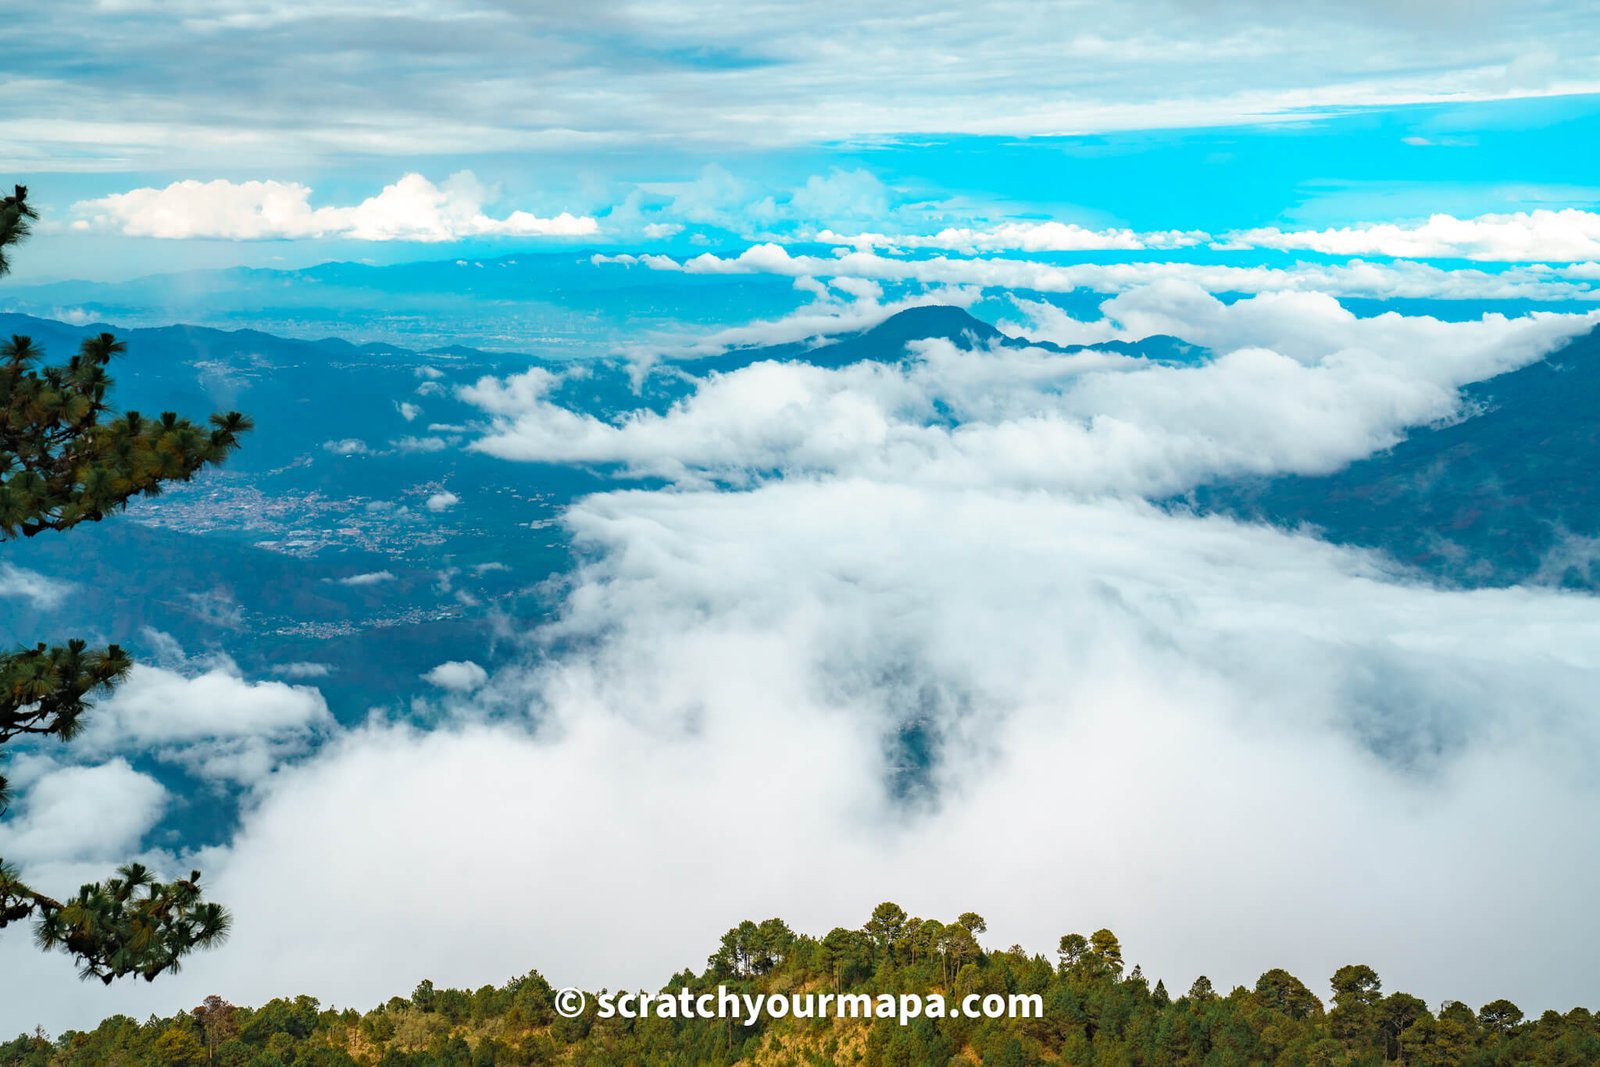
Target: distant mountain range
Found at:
x=558, y=304
x=887, y=341
x=353, y=441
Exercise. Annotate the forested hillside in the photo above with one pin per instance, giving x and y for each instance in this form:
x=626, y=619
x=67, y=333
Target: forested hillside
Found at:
x=1503, y=495
x=1094, y=1012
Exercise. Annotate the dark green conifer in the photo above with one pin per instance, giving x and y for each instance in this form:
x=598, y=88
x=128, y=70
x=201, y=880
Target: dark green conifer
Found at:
x=66, y=458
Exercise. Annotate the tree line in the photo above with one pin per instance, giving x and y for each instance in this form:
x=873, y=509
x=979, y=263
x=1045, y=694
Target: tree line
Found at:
x=1097, y=1013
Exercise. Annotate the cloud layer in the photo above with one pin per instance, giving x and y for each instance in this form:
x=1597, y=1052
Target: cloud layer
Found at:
x=1563, y=236
x=144, y=84
x=1238, y=749
x=411, y=209
x=953, y=658
x=1300, y=385
x=1566, y=236
x=1400, y=279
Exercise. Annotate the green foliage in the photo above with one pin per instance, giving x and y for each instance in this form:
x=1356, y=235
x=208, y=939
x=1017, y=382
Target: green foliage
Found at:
x=1499, y=1016
x=43, y=690
x=1282, y=991
x=131, y=924
x=15, y=215
x=66, y=458
x=752, y=949
x=1092, y=1016
x=60, y=464
x=887, y=927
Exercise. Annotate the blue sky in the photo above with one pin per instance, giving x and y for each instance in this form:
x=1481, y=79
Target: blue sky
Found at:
x=677, y=126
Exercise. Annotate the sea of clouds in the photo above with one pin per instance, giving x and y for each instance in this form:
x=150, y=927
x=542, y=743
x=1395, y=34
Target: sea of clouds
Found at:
x=918, y=632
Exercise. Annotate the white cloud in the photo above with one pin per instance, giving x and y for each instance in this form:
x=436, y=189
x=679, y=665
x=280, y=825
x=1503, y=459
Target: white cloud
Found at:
x=1300, y=384
x=303, y=669
x=209, y=718
x=420, y=444
x=460, y=676
x=1400, y=279
x=510, y=395
x=860, y=288
x=409, y=412
x=443, y=500
x=412, y=209
x=1524, y=236
x=347, y=446
x=1313, y=326
x=725, y=659
x=39, y=590
x=958, y=548
x=1200, y=720
x=82, y=814
x=367, y=578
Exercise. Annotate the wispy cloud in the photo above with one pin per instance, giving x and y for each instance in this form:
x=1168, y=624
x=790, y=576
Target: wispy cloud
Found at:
x=259, y=85
x=39, y=590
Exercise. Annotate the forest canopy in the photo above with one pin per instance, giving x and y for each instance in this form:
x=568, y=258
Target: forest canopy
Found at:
x=1096, y=1011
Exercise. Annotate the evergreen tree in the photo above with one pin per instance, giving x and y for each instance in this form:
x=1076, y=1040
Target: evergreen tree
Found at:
x=1499, y=1016
x=1286, y=993
x=66, y=458
x=886, y=927
x=1106, y=952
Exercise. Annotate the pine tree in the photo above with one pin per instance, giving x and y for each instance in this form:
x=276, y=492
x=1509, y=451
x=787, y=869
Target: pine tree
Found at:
x=66, y=458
